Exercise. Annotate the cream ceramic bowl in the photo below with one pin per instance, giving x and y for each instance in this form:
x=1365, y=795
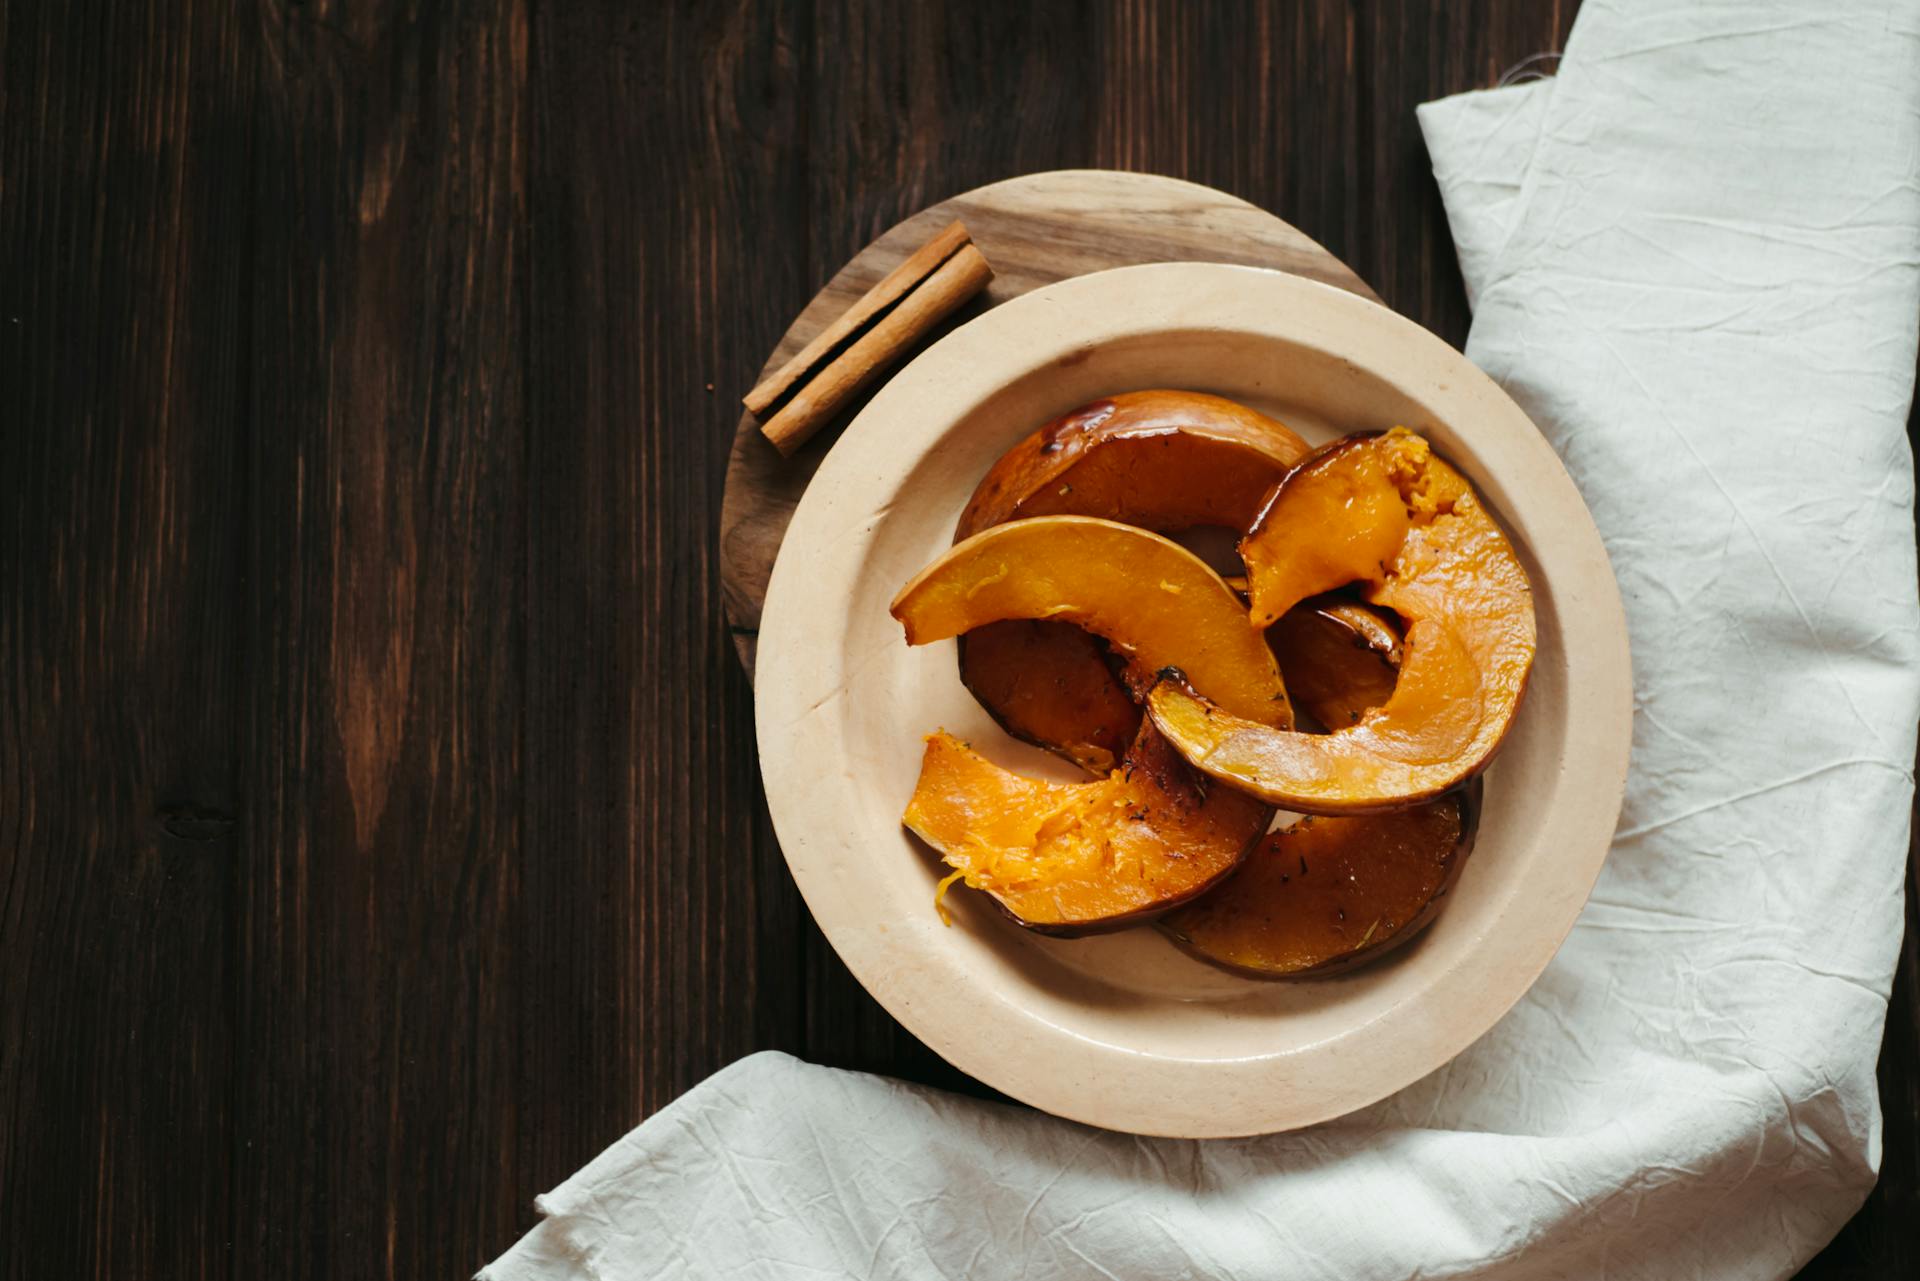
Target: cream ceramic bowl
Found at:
x=1123, y=1030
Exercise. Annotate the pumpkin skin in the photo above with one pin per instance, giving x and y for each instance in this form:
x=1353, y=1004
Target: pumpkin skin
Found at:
x=1385, y=512
x=1328, y=894
x=1082, y=858
x=1154, y=602
x=1162, y=460
x=1050, y=684
x=1339, y=658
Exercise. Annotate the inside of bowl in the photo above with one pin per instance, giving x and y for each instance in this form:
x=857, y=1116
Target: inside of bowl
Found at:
x=1133, y=989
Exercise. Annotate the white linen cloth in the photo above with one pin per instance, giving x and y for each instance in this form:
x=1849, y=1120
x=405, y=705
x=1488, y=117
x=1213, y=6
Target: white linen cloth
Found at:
x=1695, y=257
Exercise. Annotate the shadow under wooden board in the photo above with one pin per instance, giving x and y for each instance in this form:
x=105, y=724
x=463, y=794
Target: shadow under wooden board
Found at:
x=1034, y=230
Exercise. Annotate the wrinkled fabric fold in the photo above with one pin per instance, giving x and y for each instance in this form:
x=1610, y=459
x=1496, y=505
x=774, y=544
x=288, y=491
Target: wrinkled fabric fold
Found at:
x=1695, y=261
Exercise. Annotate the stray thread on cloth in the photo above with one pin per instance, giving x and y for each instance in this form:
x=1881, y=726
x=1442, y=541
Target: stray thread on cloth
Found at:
x=1530, y=68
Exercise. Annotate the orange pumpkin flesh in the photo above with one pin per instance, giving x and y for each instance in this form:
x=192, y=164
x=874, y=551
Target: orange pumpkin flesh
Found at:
x=1153, y=600
x=1385, y=512
x=1081, y=858
x=1162, y=460
x=1340, y=659
x=1330, y=893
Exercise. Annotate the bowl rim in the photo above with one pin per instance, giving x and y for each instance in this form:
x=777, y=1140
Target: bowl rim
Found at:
x=977, y=1029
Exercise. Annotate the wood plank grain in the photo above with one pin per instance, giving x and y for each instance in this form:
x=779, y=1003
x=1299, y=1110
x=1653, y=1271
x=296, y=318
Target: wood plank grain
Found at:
x=122, y=325
x=666, y=195
x=380, y=833
x=378, y=904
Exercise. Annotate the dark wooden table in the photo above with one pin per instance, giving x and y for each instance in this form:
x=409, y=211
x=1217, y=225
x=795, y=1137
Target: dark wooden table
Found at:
x=380, y=834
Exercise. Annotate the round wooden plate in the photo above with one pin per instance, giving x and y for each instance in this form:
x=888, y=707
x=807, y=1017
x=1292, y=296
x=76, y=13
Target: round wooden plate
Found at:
x=1123, y=1030
x=1034, y=230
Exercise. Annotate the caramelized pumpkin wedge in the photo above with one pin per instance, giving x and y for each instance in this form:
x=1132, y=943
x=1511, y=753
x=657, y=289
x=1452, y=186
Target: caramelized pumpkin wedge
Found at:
x=1162, y=460
x=1339, y=658
x=1154, y=602
x=1081, y=858
x=1330, y=893
x=1049, y=684
x=1385, y=512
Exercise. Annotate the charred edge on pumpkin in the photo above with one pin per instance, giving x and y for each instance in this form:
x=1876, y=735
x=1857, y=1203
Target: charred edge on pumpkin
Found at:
x=1125, y=921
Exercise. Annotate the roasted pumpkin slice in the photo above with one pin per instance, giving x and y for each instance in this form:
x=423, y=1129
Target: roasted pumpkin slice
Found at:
x=1162, y=460
x=1330, y=893
x=1154, y=602
x=1049, y=684
x=1081, y=858
x=1385, y=512
x=1339, y=658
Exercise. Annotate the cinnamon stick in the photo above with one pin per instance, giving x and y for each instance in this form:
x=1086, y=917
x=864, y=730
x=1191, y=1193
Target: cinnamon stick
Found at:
x=923, y=262
x=896, y=313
